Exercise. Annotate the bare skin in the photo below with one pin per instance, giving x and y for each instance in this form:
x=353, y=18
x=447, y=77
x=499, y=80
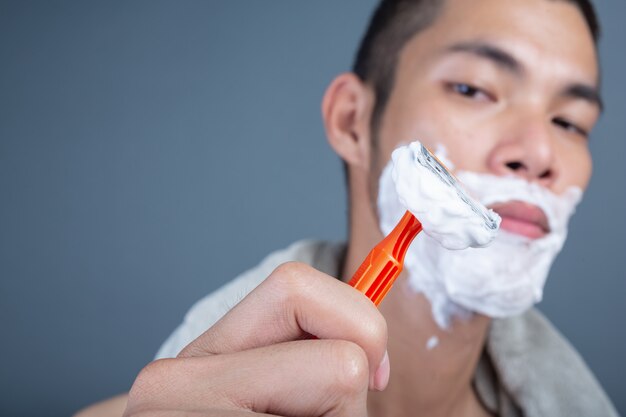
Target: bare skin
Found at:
x=491, y=80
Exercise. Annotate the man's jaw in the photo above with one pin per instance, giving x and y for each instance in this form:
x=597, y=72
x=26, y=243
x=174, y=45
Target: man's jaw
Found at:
x=523, y=219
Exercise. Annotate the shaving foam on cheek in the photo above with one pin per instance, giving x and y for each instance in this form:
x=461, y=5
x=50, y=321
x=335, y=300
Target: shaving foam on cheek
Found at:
x=501, y=280
x=443, y=214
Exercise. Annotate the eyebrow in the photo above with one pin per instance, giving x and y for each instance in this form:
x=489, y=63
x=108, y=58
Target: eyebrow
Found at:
x=509, y=63
x=496, y=55
x=585, y=92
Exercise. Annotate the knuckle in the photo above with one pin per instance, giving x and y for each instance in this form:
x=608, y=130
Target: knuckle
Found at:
x=154, y=369
x=291, y=279
x=289, y=271
x=150, y=379
x=352, y=370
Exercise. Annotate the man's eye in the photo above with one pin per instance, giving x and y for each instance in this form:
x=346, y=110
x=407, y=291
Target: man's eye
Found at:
x=469, y=91
x=569, y=126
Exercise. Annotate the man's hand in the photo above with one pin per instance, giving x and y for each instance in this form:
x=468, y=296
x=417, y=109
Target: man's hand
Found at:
x=261, y=356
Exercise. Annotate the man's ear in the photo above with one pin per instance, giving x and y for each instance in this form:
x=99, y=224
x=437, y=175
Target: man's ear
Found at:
x=346, y=109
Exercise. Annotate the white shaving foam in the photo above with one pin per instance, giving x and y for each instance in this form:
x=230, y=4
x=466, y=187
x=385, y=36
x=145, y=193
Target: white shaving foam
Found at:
x=442, y=213
x=442, y=154
x=432, y=342
x=501, y=280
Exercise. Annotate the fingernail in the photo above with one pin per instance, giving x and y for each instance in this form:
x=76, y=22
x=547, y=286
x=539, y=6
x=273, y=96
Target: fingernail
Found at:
x=381, y=377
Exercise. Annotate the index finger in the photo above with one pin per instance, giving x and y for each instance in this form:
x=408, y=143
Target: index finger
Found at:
x=295, y=302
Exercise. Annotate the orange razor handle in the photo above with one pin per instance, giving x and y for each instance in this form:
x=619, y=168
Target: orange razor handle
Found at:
x=383, y=264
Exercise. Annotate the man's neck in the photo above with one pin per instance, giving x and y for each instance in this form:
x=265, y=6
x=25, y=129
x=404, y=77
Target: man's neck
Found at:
x=434, y=367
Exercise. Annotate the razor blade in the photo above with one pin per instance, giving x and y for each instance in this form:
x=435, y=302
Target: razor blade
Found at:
x=430, y=161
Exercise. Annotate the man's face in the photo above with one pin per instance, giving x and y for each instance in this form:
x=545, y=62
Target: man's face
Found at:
x=507, y=87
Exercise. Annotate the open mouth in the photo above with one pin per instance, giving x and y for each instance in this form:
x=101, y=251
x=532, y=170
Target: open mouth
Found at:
x=522, y=219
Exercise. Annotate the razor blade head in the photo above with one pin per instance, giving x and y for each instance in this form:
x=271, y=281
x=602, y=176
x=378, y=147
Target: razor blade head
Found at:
x=430, y=161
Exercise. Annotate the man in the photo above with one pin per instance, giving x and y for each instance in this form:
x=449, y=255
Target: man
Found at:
x=508, y=88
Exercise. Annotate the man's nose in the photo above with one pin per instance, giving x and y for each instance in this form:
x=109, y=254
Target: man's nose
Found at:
x=526, y=151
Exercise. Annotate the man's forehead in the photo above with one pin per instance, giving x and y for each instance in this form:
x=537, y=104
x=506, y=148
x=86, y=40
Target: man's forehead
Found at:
x=529, y=30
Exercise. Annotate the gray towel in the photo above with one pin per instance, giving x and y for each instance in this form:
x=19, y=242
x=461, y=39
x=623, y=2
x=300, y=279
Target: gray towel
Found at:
x=539, y=371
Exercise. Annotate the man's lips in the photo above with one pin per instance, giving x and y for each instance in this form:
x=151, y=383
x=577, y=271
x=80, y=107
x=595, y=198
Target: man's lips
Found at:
x=522, y=218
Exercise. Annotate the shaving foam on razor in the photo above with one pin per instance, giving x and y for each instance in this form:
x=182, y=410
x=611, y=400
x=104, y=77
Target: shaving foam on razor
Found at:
x=433, y=195
x=417, y=172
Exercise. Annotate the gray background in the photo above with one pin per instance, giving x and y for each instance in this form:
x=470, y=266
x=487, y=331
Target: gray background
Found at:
x=123, y=201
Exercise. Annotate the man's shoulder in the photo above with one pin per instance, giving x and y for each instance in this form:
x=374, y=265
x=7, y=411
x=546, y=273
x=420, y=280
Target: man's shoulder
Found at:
x=541, y=370
x=319, y=254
